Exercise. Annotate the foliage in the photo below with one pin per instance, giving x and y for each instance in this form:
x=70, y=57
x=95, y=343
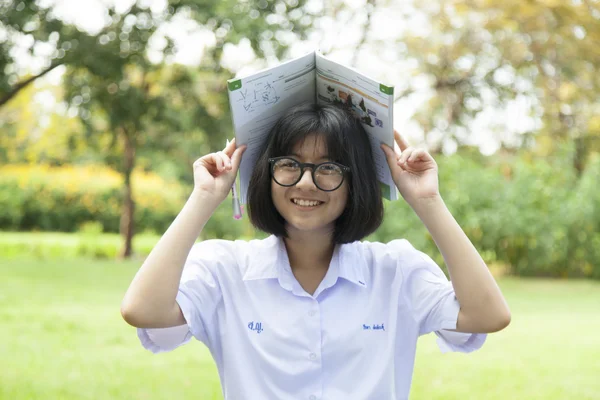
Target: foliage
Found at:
x=540, y=216
x=129, y=103
x=528, y=213
x=36, y=133
x=63, y=198
x=87, y=198
x=26, y=22
x=483, y=55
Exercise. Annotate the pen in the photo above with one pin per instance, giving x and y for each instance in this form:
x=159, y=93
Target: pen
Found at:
x=235, y=201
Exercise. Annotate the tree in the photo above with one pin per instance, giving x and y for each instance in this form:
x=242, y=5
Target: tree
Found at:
x=480, y=57
x=34, y=132
x=557, y=52
x=27, y=24
x=137, y=103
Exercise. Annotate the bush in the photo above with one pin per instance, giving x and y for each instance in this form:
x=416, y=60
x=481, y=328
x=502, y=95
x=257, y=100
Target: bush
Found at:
x=533, y=215
x=62, y=198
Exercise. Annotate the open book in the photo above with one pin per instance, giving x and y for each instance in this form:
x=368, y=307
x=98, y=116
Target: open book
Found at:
x=257, y=101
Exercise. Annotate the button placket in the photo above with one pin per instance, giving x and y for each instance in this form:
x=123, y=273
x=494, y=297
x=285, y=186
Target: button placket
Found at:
x=314, y=322
x=311, y=313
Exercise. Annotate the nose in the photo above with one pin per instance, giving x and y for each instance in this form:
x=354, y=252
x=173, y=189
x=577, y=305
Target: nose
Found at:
x=306, y=180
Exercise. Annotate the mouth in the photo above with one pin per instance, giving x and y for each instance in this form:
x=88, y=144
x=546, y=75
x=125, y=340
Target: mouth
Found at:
x=306, y=204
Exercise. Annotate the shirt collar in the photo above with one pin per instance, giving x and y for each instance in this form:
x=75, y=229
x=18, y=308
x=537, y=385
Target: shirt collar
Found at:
x=263, y=263
x=270, y=261
x=352, y=264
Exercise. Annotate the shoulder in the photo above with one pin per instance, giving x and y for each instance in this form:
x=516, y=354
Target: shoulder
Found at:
x=399, y=255
x=394, y=252
x=219, y=248
x=216, y=254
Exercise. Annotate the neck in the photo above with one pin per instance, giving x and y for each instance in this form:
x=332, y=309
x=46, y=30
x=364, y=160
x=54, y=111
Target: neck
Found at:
x=307, y=250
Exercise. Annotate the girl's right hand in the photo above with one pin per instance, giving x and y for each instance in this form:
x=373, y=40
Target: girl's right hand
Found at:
x=215, y=173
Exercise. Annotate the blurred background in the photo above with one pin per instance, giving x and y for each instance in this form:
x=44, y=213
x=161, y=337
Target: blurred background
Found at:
x=105, y=104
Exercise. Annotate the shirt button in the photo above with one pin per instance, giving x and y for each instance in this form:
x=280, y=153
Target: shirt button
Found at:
x=312, y=356
x=312, y=313
x=312, y=397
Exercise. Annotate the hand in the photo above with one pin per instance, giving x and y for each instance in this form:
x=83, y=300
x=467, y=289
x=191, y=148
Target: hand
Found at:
x=215, y=172
x=414, y=171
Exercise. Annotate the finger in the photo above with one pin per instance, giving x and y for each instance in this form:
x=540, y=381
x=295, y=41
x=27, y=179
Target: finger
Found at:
x=400, y=140
x=417, y=154
x=218, y=161
x=390, y=154
x=397, y=149
x=236, y=158
x=208, y=161
x=226, y=159
x=199, y=162
x=387, y=150
x=229, y=148
x=405, y=154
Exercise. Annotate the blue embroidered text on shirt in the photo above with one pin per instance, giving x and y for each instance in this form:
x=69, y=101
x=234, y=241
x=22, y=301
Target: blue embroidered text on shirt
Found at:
x=375, y=327
x=255, y=326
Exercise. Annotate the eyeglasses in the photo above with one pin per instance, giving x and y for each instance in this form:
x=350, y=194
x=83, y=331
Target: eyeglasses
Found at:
x=327, y=176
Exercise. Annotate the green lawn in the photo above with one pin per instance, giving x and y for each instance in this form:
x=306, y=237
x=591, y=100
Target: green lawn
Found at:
x=61, y=337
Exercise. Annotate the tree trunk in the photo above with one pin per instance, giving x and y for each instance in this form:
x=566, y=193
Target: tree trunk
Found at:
x=127, y=222
x=580, y=155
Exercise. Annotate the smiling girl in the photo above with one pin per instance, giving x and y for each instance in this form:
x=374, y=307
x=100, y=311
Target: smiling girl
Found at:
x=304, y=313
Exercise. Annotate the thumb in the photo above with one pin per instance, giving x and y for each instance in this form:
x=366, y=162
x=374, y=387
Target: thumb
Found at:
x=236, y=158
x=390, y=154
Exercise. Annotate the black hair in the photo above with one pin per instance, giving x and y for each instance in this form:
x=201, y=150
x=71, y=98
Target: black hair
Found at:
x=347, y=143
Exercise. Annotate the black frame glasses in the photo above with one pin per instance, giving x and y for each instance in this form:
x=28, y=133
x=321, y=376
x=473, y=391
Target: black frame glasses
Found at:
x=313, y=168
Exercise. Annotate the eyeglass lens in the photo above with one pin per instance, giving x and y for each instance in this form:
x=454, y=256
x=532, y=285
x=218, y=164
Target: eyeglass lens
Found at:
x=287, y=172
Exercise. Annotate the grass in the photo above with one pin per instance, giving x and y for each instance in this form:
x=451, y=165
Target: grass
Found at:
x=62, y=337
x=60, y=245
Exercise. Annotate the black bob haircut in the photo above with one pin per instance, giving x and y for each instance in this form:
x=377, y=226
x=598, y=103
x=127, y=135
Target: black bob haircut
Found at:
x=347, y=143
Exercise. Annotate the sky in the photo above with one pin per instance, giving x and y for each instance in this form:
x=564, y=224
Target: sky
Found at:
x=333, y=37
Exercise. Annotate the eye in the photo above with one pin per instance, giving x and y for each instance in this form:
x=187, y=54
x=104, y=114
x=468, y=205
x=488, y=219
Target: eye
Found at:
x=329, y=169
x=286, y=163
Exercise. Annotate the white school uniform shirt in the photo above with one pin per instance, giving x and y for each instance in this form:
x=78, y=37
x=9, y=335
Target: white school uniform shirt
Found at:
x=354, y=338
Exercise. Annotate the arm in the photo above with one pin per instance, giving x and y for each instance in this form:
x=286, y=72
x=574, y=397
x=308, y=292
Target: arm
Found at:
x=150, y=301
x=482, y=306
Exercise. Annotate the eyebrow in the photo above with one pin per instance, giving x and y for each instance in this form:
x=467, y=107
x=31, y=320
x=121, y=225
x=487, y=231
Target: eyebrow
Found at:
x=325, y=158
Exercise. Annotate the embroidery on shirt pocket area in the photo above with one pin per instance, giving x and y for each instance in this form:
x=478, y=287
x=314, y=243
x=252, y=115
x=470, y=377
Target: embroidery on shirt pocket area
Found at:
x=255, y=326
x=373, y=327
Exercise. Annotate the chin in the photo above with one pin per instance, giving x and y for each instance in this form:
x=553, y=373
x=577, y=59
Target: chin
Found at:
x=318, y=222
x=317, y=228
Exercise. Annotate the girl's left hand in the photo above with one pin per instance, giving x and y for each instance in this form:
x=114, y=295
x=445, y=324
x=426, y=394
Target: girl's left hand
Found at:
x=414, y=171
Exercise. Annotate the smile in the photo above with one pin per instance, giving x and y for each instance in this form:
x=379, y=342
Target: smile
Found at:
x=306, y=203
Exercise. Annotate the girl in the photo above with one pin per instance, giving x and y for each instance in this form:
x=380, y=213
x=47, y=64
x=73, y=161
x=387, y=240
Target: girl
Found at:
x=311, y=312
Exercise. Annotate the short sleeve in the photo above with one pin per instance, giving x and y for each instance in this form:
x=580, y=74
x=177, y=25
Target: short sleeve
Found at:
x=198, y=297
x=449, y=341
x=432, y=300
x=164, y=339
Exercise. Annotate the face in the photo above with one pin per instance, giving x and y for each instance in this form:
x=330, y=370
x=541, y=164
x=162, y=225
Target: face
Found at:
x=305, y=207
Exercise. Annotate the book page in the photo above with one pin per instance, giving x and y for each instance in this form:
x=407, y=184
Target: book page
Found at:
x=370, y=101
x=257, y=102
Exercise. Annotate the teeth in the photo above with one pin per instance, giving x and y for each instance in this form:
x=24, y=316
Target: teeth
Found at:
x=306, y=203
